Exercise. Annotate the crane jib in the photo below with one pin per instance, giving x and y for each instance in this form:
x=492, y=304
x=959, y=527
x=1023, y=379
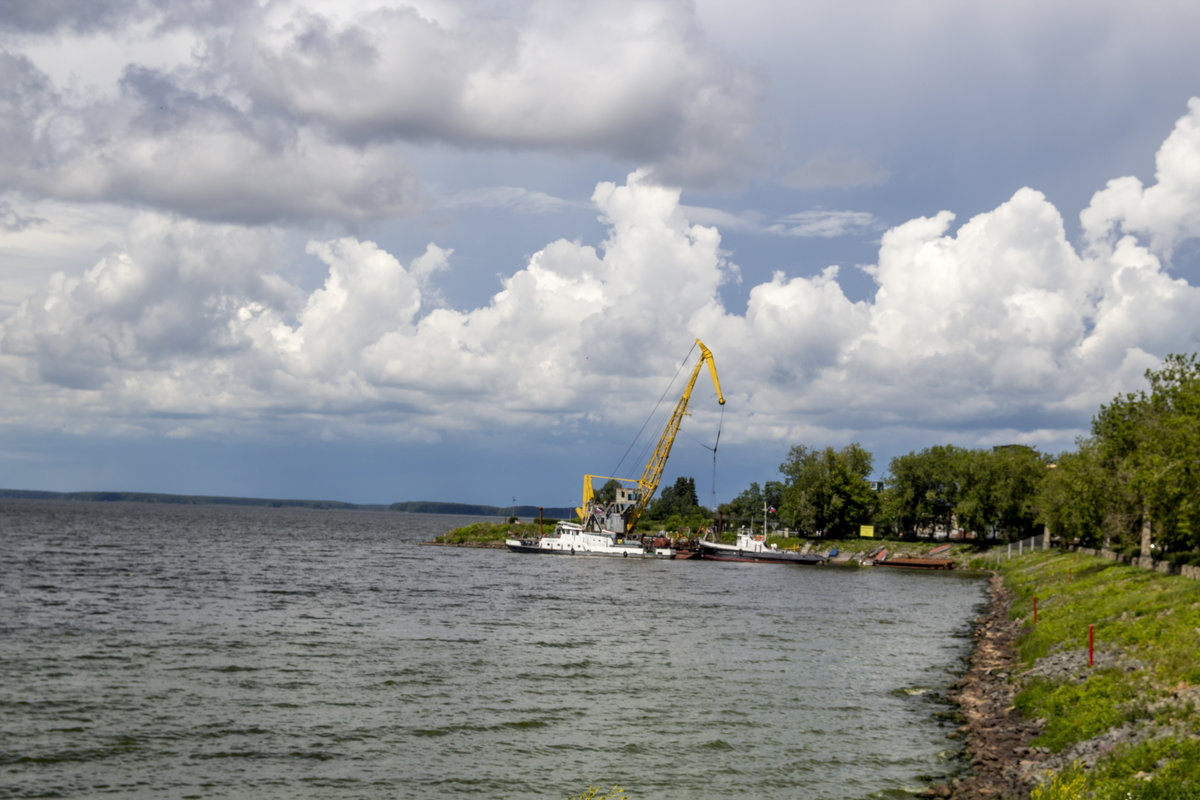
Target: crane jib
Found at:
x=652, y=474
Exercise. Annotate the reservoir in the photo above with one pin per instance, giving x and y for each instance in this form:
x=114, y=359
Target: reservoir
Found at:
x=156, y=651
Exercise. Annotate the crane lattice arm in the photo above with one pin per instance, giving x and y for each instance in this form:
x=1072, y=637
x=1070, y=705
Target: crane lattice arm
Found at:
x=652, y=474
x=630, y=503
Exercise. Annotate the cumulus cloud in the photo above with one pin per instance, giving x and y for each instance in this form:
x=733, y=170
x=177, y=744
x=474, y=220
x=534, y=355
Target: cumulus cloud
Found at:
x=296, y=110
x=43, y=16
x=999, y=326
x=173, y=291
x=163, y=145
x=634, y=80
x=1167, y=212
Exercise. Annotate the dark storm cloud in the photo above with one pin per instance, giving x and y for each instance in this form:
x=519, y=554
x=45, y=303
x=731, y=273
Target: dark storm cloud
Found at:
x=26, y=94
x=92, y=16
x=50, y=16
x=161, y=143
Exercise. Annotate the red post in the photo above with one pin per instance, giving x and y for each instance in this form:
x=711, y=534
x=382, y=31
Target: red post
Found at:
x=1091, y=643
x=1035, y=611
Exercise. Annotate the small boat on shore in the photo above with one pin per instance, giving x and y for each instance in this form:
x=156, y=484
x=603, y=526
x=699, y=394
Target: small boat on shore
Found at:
x=917, y=562
x=753, y=547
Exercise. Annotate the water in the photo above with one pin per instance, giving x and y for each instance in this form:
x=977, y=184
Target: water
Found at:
x=212, y=652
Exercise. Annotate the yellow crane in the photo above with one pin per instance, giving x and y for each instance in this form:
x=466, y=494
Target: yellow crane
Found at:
x=622, y=514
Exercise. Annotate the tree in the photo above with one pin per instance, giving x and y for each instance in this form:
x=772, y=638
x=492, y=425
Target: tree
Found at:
x=923, y=488
x=608, y=492
x=1078, y=497
x=827, y=490
x=998, y=490
x=1149, y=443
x=990, y=491
x=751, y=502
x=677, y=500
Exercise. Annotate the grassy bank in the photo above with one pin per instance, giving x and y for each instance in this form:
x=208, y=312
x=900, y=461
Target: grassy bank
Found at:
x=491, y=534
x=1126, y=727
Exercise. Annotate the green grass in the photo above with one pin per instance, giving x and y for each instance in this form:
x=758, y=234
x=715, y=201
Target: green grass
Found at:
x=1075, y=712
x=492, y=533
x=1147, y=642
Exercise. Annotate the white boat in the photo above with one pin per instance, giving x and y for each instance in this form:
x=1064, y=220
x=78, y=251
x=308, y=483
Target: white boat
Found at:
x=570, y=539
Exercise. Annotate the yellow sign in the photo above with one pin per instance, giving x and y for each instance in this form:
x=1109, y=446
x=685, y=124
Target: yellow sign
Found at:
x=866, y=531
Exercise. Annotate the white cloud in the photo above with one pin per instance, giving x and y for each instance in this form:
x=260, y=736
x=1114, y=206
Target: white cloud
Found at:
x=1167, y=212
x=632, y=80
x=161, y=145
x=1000, y=327
x=295, y=110
x=516, y=198
x=824, y=224
x=173, y=291
x=814, y=223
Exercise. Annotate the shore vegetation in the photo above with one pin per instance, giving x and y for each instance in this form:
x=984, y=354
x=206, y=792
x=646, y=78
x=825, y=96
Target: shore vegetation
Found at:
x=493, y=534
x=1110, y=671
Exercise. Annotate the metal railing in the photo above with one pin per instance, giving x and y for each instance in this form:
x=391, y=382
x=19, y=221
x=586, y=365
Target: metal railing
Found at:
x=1019, y=548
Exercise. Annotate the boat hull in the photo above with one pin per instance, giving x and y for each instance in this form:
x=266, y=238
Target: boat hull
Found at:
x=711, y=553
x=572, y=540
x=917, y=563
x=517, y=546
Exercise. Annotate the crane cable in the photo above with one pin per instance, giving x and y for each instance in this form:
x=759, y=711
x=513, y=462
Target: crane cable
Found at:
x=714, y=451
x=654, y=410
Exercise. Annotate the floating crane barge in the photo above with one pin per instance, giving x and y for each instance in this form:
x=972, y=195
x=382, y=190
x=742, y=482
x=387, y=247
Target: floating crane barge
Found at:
x=606, y=528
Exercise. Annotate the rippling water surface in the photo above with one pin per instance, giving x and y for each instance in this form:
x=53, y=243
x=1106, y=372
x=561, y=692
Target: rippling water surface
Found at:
x=204, y=651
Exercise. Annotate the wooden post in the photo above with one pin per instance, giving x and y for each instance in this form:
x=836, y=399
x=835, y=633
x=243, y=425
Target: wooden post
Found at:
x=1091, y=644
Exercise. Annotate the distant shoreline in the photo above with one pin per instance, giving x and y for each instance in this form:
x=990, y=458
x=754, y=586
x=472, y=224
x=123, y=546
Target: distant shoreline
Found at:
x=411, y=506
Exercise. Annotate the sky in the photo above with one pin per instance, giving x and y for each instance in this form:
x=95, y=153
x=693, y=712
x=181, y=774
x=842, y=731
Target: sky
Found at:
x=382, y=251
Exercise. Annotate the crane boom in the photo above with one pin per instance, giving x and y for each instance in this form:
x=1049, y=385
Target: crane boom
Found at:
x=652, y=474
x=631, y=503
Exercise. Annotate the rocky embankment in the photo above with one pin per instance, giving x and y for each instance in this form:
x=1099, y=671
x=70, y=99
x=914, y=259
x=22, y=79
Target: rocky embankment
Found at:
x=1002, y=764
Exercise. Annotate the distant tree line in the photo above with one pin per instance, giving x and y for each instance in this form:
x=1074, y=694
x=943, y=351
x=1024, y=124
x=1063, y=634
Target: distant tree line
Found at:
x=469, y=509
x=178, y=499
x=1132, y=484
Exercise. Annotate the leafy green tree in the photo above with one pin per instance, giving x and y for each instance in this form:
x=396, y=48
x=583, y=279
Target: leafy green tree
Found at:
x=1148, y=444
x=993, y=491
x=827, y=490
x=923, y=489
x=608, y=492
x=998, y=491
x=677, y=506
x=1079, y=497
x=751, y=502
x=744, y=505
